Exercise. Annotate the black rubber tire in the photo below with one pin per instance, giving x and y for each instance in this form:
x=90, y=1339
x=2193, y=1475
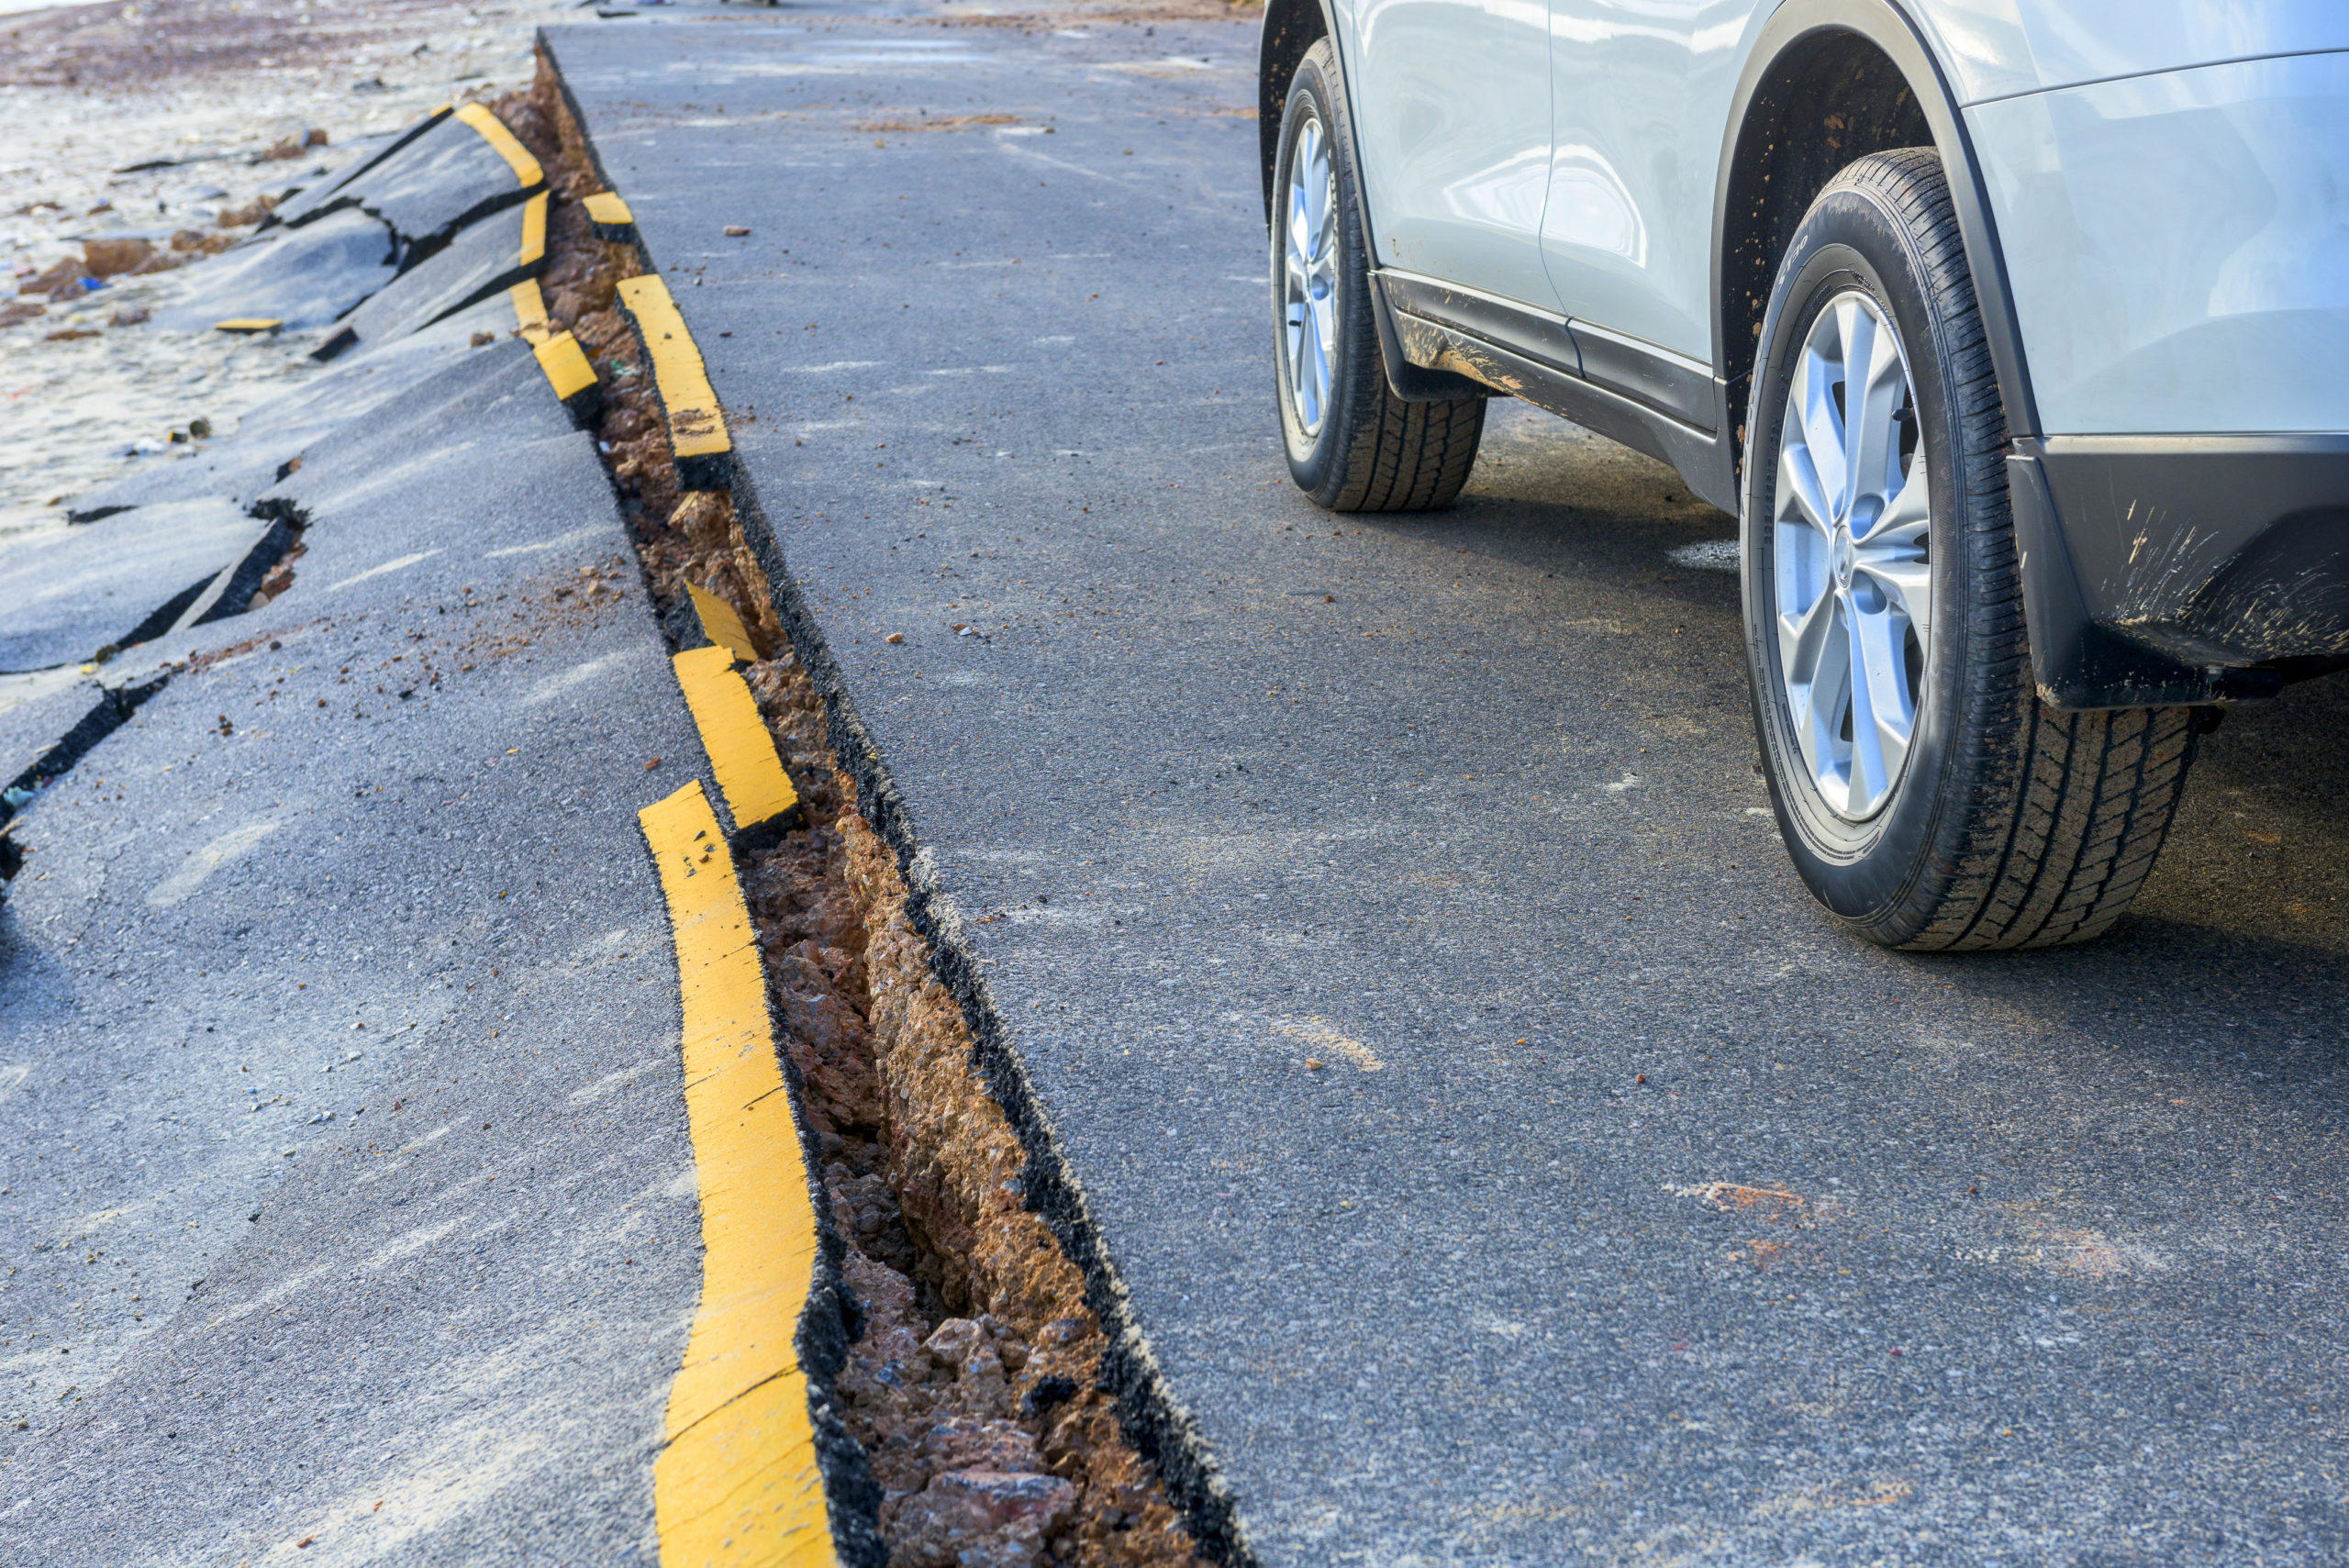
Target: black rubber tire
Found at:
x=2012, y=825
x=1374, y=452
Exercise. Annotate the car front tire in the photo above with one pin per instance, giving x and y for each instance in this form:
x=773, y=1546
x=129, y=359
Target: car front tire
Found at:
x=1927, y=797
x=1353, y=446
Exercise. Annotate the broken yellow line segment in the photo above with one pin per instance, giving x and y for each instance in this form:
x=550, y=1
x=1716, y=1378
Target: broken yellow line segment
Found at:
x=493, y=130
x=534, y=231
x=721, y=625
x=737, y=1482
x=530, y=311
x=742, y=751
x=567, y=365
x=697, y=427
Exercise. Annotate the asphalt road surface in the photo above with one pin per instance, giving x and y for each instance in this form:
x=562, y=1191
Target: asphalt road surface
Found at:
x=1632, y=1214
x=348, y=1196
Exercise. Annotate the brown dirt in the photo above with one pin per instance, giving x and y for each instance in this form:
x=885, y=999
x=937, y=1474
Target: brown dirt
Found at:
x=973, y=1388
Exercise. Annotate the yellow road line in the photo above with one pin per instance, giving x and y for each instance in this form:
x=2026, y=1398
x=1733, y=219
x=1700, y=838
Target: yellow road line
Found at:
x=737, y=1482
x=697, y=427
x=248, y=324
x=493, y=130
x=530, y=311
x=534, y=231
x=742, y=751
x=721, y=625
x=609, y=217
x=572, y=378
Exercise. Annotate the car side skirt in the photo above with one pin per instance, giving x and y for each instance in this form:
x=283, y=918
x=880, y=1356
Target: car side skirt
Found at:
x=1651, y=401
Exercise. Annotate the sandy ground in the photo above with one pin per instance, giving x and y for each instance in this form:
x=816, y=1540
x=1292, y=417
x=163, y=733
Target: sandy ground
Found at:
x=195, y=91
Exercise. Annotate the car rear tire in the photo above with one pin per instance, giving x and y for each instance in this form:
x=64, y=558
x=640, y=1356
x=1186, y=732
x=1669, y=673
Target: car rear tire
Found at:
x=1927, y=797
x=1353, y=446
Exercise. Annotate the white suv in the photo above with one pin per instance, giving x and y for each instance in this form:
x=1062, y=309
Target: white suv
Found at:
x=2017, y=331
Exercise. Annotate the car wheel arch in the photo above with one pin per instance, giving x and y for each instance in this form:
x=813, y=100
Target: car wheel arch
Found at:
x=1864, y=64
x=1291, y=27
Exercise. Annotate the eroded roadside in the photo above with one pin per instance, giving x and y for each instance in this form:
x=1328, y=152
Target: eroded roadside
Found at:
x=981, y=1386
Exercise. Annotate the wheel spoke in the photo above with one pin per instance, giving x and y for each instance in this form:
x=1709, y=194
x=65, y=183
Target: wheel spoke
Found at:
x=1869, y=779
x=1873, y=398
x=1907, y=584
x=1805, y=637
x=1799, y=483
x=1823, y=427
x=1880, y=641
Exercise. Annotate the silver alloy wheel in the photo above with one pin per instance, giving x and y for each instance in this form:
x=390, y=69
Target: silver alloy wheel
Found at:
x=1850, y=552
x=1310, y=276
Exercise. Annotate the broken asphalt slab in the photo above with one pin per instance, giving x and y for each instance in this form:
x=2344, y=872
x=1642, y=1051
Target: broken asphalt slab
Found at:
x=124, y=578
x=1376, y=924
x=349, y=1193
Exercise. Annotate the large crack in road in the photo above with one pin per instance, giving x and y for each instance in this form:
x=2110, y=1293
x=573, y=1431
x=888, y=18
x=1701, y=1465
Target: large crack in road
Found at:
x=981, y=1385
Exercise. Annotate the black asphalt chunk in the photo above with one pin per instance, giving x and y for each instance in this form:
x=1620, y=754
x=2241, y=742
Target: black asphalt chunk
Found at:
x=445, y=179
x=301, y=278
x=76, y=589
x=335, y=190
x=1632, y=1214
x=483, y=260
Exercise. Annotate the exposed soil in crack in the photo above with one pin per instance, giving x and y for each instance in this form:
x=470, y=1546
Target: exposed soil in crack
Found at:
x=976, y=1388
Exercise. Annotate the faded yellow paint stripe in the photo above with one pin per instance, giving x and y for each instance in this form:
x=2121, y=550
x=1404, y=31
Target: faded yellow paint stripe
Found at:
x=737, y=1482
x=534, y=231
x=566, y=364
x=530, y=311
x=742, y=751
x=697, y=427
x=721, y=625
x=493, y=130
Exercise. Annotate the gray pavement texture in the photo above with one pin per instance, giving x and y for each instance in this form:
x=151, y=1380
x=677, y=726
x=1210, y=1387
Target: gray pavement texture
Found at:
x=349, y=1203
x=479, y=262
x=1633, y=1215
x=425, y=187
x=303, y=278
x=71, y=590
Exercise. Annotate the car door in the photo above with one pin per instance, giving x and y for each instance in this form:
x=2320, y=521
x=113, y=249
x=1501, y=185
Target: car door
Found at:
x=1640, y=95
x=1452, y=112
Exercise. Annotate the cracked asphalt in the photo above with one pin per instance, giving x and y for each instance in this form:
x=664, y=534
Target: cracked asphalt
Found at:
x=348, y=1196
x=1503, y=1159
x=1499, y=1157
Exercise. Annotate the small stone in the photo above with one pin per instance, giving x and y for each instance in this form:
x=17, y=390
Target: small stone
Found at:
x=965, y=1443
x=1312, y=1064
x=895, y=637
x=484, y=339
x=108, y=258
x=736, y=231
x=954, y=1340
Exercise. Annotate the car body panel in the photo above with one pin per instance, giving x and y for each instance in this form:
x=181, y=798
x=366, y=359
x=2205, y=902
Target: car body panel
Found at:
x=2176, y=246
x=1640, y=96
x=1451, y=113
x=1996, y=49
